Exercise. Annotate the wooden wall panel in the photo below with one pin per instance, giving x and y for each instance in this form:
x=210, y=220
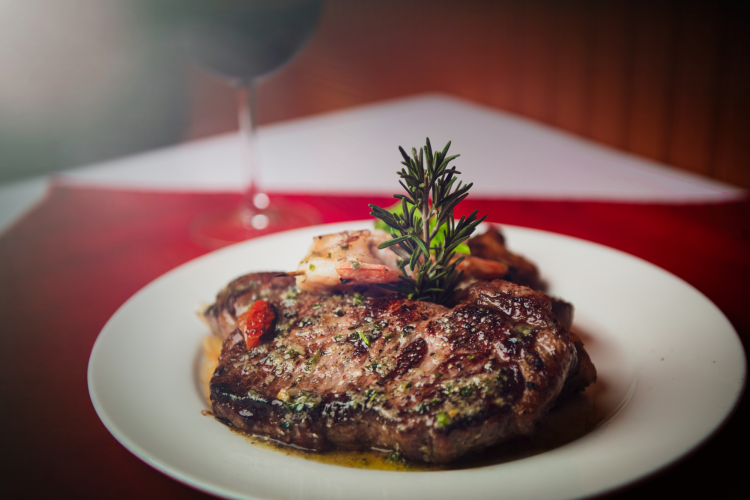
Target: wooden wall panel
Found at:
x=535, y=30
x=611, y=72
x=665, y=79
x=654, y=48
x=459, y=37
x=693, y=121
x=508, y=89
x=732, y=158
x=573, y=61
x=495, y=22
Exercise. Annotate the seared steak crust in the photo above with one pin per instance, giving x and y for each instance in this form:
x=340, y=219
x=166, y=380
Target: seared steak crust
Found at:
x=239, y=295
x=359, y=372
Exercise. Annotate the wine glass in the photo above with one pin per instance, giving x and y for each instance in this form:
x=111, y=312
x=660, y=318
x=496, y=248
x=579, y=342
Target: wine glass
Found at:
x=242, y=41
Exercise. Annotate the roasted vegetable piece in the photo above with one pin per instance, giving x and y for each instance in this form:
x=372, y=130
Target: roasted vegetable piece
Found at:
x=256, y=321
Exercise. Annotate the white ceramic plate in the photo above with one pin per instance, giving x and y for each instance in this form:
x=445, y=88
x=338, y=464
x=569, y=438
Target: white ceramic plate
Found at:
x=671, y=369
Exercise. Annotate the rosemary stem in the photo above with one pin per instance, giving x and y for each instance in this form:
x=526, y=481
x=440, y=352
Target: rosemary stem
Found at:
x=427, y=268
x=426, y=214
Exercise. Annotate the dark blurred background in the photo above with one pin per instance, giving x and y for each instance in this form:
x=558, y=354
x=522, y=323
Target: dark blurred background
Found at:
x=86, y=80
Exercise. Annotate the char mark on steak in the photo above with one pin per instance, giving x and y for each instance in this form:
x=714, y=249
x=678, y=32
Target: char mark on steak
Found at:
x=354, y=372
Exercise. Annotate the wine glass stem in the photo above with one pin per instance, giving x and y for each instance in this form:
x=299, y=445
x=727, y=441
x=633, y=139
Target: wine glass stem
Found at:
x=249, y=145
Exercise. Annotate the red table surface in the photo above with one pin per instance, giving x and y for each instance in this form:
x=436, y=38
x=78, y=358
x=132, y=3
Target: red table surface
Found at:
x=69, y=264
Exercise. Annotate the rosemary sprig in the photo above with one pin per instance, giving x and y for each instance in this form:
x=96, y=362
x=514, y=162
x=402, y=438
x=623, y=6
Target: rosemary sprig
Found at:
x=432, y=192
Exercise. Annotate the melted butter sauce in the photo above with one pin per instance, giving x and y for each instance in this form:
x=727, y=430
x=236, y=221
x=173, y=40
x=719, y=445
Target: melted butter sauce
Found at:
x=343, y=458
x=571, y=420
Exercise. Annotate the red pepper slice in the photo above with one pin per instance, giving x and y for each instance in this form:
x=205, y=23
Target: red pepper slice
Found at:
x=256, y=321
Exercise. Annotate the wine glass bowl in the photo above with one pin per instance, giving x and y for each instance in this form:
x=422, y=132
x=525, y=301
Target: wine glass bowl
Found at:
x=242, y=41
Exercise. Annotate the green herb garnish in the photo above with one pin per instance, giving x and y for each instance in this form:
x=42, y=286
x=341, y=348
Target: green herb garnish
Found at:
x=364, y=338
x=310, y=362
x=432, y=194
x=524, y=330
x=397, y=208
x=442, y=419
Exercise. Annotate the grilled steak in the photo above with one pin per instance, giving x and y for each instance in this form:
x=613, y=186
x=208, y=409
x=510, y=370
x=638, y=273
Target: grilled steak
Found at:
x=240, y=294
x=355, y=372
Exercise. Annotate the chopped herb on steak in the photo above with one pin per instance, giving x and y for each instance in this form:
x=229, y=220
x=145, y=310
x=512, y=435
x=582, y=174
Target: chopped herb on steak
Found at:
x=429, y=382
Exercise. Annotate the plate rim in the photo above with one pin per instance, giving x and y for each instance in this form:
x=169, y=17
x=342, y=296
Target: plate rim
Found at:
x=216, y=489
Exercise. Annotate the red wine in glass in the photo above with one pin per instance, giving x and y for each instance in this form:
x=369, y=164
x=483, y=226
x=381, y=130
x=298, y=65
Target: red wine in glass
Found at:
x=242, y=41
